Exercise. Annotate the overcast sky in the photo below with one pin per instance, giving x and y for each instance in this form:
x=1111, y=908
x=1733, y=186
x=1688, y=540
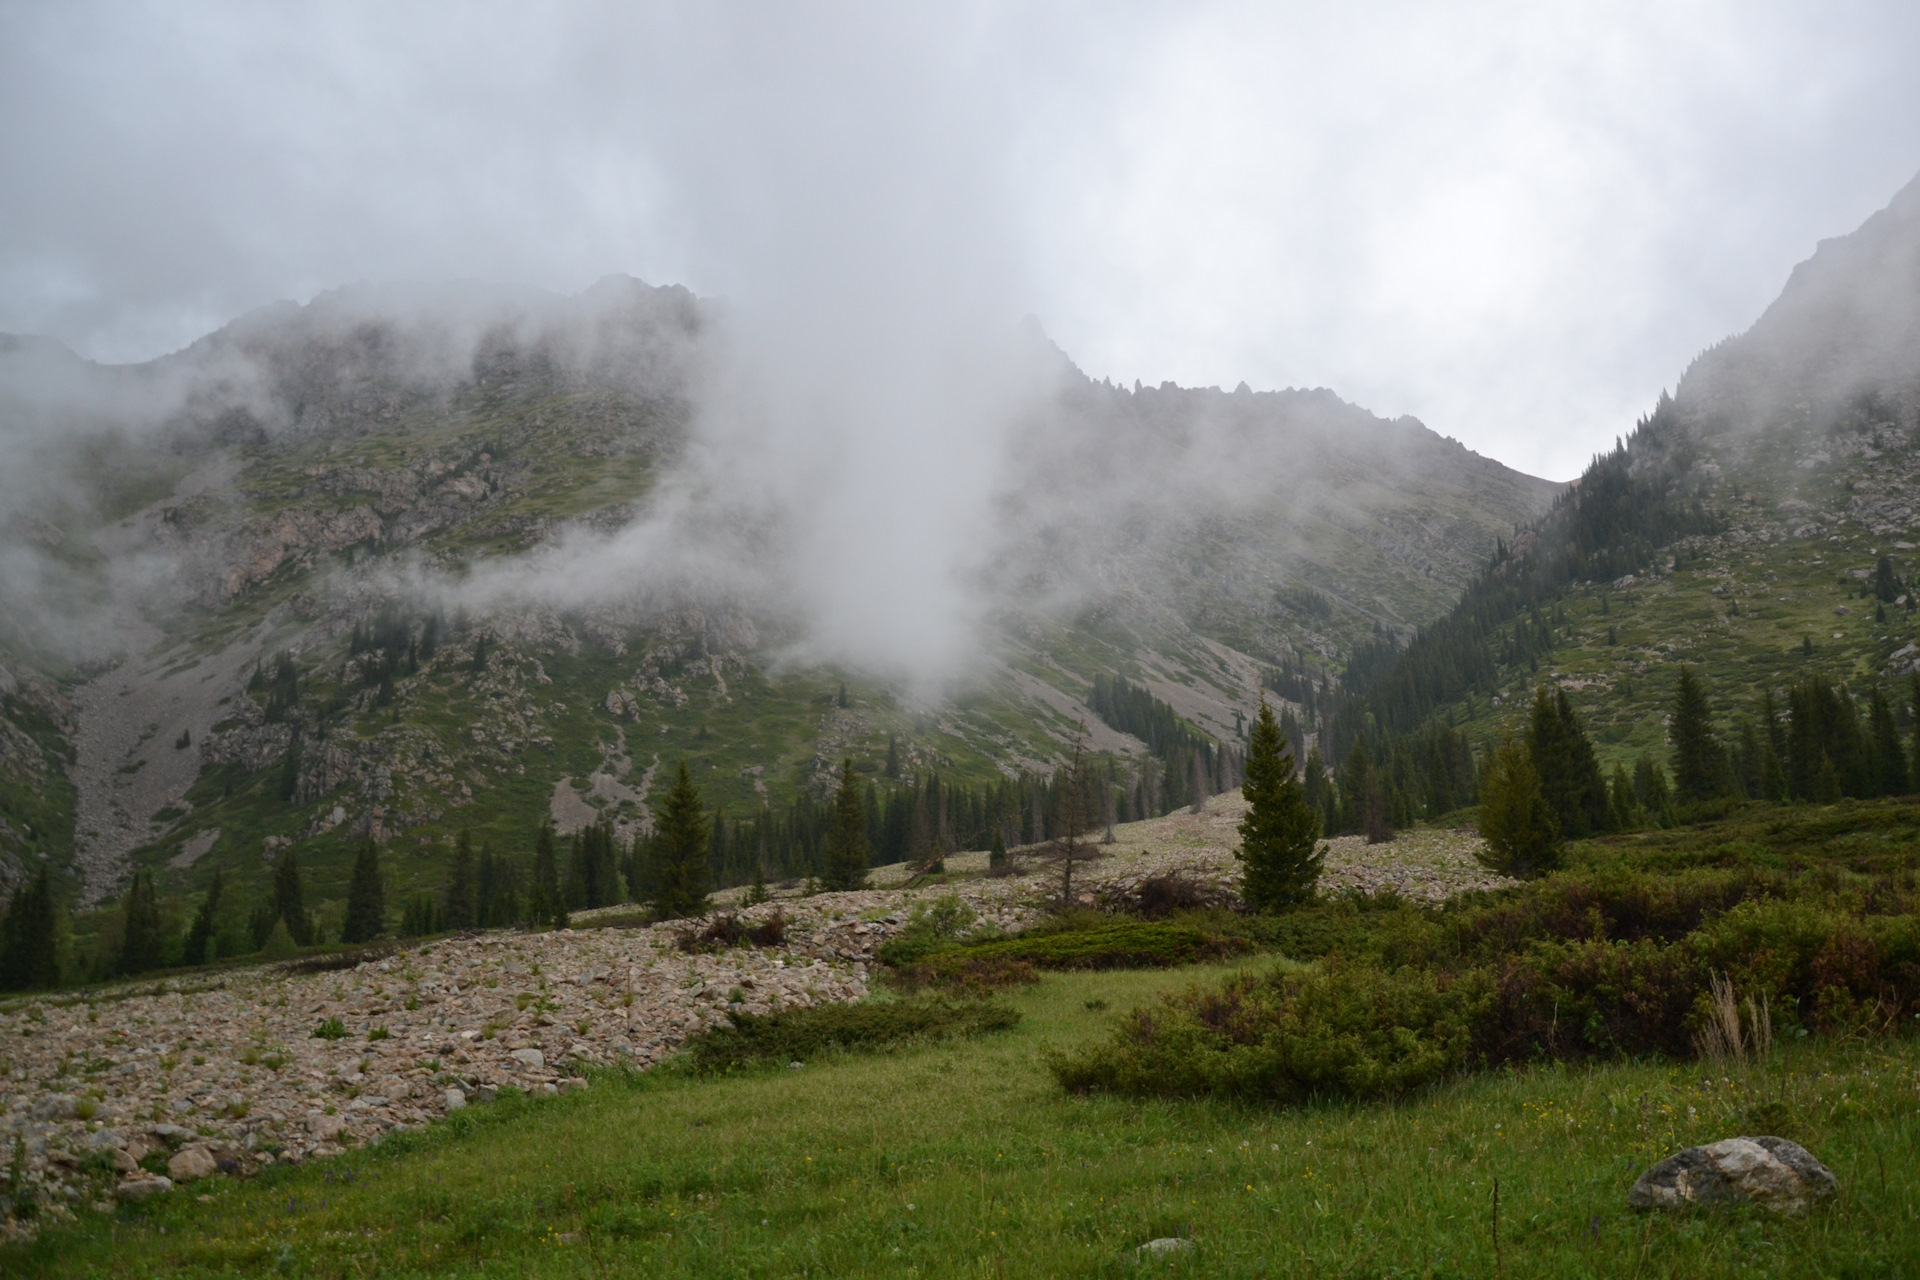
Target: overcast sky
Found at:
x=1516, y=221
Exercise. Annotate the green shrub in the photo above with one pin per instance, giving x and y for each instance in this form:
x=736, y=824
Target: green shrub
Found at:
x=331, y=1029
x=1110, y=944
x=930, y=927
x=801, y=1034
x=1338, y=1031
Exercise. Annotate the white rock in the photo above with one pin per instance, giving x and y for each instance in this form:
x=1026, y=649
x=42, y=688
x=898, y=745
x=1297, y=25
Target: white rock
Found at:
x=456, y=1100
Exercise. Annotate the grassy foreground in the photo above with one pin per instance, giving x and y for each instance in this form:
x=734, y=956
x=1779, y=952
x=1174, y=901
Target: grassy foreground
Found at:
x=965, y=1159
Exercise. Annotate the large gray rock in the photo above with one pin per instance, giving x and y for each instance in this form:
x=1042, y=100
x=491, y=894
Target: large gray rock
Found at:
x=192, y=1162
x=138, y=1189
x=1780, y=1175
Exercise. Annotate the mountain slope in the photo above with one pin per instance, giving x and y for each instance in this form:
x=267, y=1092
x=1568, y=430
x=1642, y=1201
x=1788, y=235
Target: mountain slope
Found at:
x=336, y=483
x=1739, y=529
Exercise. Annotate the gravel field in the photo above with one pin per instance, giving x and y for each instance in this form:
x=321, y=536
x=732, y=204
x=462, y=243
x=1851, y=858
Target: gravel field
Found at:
x=224, y=1072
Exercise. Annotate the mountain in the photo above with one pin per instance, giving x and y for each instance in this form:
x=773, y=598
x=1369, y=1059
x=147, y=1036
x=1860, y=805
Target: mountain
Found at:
x=404, y=562
x=1740, y=529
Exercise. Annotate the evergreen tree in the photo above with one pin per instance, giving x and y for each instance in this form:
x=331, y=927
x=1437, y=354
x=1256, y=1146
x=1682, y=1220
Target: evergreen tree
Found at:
x=997, y=851
x=1319, y=788
x=289, y=904
x=1279, y=852
x=419, y=916
x=1621, y=799
x=847, y=856
x=366, y=897
x=456, y=902
x=545, y=907
x=1569, y=771
x=201, y=932
x=28, y=961
x=680, y=851
x=1888, y=756
x=142, y=943
x=1515, y=817
x=1699, y=761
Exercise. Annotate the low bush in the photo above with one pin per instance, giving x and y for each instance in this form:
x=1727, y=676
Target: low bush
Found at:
x=930, y=927
x=802, y=1034
x=1109, y=944
x=1341, y=1030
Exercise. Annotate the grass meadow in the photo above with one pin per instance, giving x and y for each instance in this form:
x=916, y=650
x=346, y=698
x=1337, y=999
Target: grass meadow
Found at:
x=967, y=1159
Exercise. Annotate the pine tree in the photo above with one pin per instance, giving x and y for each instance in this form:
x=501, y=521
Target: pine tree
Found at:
x=1621, y=798
x=142, y=943
x=1568, y=769
x=289, y=901
x=1699, y=761
x=366, y=897
x=1515, y=818
x=1279, y=854
x=1889, y=757
x=200, y=933
x=847, y=855
x=997, y=851
x=680, y=851
x=544, y=905
x=456, y=900
x=28, y=961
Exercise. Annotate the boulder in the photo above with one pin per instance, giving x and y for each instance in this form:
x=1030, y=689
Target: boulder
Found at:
x=191, y=1162
x=532, y=1059
x=325, y=1128
x=1165, y=1246
x=138, y=1189
x=1773, y=1172
x=455, y=1099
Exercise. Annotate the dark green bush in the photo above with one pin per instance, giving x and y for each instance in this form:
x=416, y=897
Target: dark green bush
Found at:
x=1109, y=944
x=1341, y=1030
x=801, y=1034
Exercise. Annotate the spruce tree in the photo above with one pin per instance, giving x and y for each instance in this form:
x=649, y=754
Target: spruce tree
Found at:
x=1888, y=756
x=1568, y=769
x=997, y=850
x=366, y=897
x=28, y=961
x=1699, y=761
x=141, y=943
x=847, y=855
x=456, y=901
x=1279, y=853
x=289, y=900
x=205, y=921
x=1515, y=818
x=680, y=851
x=544, y=905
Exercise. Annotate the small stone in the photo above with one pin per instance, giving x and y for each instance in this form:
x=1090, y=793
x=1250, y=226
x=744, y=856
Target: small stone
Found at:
x=1782, y=1176
x=456, y=1100
x=1165, y=1246
x=192, y=1162
x=135, y=1190
x=572, y=1084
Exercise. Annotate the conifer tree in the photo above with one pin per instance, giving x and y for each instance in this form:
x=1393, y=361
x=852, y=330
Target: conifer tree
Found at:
x=456, y=902
x=366, y=897
x=1889, y=757
x=544, y=905
x=142, y=945
x=1699, y=761
x=289, y=904
x=847, y=855
x=205, y=921
x=1621, y=798
x=28, y=961
x=997, y=850
x=1279, y=853
x=1515, y=817
x=680, y=851
x=1568, y=769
